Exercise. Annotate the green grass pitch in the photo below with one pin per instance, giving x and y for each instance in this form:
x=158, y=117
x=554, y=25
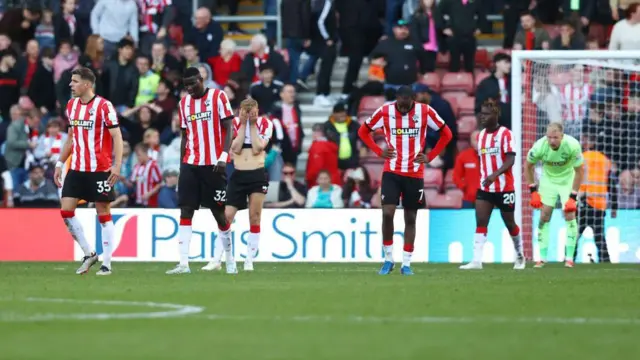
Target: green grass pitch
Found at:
x=319, y=311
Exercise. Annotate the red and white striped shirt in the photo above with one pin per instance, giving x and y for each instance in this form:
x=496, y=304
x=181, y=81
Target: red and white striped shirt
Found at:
x=264, y=125
x=575, y=98
x=202, y=120
x=92, y=144
x=406, y=133
x=145, y=177
x=493, y=148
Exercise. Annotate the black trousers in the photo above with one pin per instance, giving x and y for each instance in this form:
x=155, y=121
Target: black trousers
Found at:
x=327, y=59
x=465, y=46
x=511, y=21
x=591, y=217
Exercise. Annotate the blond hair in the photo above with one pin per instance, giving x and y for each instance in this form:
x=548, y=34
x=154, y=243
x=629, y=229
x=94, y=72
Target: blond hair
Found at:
x=248, y=104
x=555, y=126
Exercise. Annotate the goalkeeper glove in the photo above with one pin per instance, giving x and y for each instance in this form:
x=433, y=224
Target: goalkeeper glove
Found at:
x=536, y=200
x=571, y=205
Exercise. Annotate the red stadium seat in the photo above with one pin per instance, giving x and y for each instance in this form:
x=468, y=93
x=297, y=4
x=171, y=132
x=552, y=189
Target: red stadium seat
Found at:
x=442, y=60
x=432, y=178
x=467, y=105
x=432, y=80
x=458, y=82
x=466, y=125
x=453, y=97
x=482, y=59
x=374, y=168
x=369, y=104
x=599, y=33
x=452, y=199
x=448, y=180
x=479, y=76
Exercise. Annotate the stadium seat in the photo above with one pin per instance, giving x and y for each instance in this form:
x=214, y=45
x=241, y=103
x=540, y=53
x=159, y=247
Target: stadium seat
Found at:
x=598, y=32
x=466, y=125
x=482, y=59
x=432, y=178
x=466, y=105
x=369, y=104
x=459, y=81
x=453, y=96
x=452, y=199
x=448, y=180
x=374, y=168
x=442, y=60
x=432, y=80
x=453, y=101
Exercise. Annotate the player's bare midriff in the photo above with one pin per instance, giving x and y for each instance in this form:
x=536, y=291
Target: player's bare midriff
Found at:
x=247, y=160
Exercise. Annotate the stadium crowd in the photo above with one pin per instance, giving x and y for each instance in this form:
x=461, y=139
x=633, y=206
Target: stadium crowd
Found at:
x=139, y=48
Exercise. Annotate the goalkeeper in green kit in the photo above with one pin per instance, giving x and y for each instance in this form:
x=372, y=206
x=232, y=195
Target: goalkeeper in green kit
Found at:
x=562, y=172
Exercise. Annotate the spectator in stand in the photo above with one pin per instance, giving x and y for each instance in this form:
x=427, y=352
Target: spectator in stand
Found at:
x=42, y=89
x=296, y=31
x=359, y=27
x=466, y=172
x=17, y=144
x=548, y=105
x=626, y=134
x=63, y=91
x=574, y=97
x=136, y=121
x=171, y=132
x=121, y=77
x=113, y=20
x=50, y=144
x=357, y=191
x=145, y=178
x=66, y=59
x=531, y=36
x=426, y=28
x=168, y=195
x=323, y=45
x=128, y=162
x=207, y=75
x=291, y=193
x=225, y=64
x=629, y=190
x=259, y=53
x=393, y=9
x=95, y=51
x=401, y=54
x=9, y=82
x=373, y=87
x=343, y=131
x=464, y=20
x=6, y=185
x=206, y=34
x=19, y=24
x=155, y=18
x=267, y=90
x=148, y=81
x=497, y=86
x=323, y=155
x=626, y=32
x=289, y=123
x=5, y=42
x=234, y=28
x=511, y=14
x=82, y=15
x=28, y=64
x=171, y=159
x=65, y=24
x=270, y=7
x=578, y=12
x=164, y=104
x=620, y=7
x=569, y=38
x=190, y=55
x=44, y=33
x=36, y=192
x=151, y=139
x=161, y=62
x=325, y=195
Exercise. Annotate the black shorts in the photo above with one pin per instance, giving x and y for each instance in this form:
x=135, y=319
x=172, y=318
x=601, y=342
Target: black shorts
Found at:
x=411, y=189
x=89, y=186
x=505, y=201
x=244, y=183
x=201, y=186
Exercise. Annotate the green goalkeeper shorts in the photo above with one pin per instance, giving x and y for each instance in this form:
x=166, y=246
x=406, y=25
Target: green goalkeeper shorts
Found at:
x=550, y=191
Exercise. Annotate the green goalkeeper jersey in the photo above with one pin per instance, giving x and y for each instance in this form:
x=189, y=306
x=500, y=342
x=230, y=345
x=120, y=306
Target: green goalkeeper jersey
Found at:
x=557, y=164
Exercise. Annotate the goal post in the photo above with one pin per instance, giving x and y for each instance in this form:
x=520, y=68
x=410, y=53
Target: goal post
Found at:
x=567, y=86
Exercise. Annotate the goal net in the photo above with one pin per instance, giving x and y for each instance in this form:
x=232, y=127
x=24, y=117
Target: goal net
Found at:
x=596, y=96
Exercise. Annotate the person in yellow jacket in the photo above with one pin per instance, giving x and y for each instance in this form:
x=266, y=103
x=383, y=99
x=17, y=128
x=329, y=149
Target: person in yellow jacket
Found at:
x=597, y=193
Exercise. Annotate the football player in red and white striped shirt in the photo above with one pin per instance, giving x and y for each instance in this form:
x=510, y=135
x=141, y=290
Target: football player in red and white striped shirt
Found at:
x=205, y=118
x=93, y=136
x=496, y=188
x=405, y=124
x=146, y=178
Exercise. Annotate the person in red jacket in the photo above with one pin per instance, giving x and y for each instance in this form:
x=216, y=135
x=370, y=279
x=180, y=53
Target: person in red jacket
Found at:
x=225, y=64
x=323, y=155
x=466, y=172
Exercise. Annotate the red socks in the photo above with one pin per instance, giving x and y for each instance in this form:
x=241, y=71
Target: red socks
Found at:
x=408, y=248
x=255, y=229
x=185, y=222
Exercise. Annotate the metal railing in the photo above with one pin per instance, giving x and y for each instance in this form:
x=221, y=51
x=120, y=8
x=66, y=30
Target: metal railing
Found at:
x=252, y=19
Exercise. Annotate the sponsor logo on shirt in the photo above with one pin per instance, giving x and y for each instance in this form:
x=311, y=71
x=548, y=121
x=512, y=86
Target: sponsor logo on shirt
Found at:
x=490, y=151
x=86, y=124
x=411, y=132
x=203, y=116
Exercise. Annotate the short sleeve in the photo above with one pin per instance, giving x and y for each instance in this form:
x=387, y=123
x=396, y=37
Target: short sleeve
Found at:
x=576, y=153
x=508, y=146
x=376, y=121
x=535, y=153
x=267, y=130
x=155, y=173
x=236, y=126
x=183, y=119
x=224, y=106
x=434, y=121
x=134, y=174
x=109, y=115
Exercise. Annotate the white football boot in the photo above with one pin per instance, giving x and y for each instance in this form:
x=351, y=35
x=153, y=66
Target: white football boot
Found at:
x=179, y=269
x=472, y=266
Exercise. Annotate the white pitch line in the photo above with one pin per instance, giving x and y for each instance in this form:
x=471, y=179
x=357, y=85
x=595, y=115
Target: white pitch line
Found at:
x=172, y=310
x=427, y=319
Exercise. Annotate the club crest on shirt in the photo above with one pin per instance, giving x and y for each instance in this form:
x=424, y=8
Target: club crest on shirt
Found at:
x=202, y=116
x=416, y=118
x=207, y=103
x=91, y=112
